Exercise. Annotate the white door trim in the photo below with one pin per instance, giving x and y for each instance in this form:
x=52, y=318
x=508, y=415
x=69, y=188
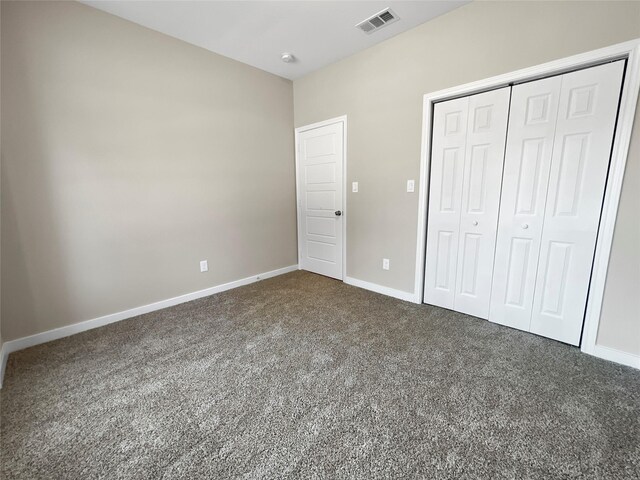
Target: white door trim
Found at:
x=342, y=119
x=627, y=50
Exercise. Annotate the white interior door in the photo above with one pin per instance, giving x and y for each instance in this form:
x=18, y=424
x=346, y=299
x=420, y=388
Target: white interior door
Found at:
x=532, y=126
x=445, y=199
x=482, y=178
x=466, y=171
x=320, y=202
x=582, y=148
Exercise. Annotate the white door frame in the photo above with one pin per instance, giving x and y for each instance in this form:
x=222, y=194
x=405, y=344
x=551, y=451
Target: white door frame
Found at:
x=342, y=119
x=631, y=52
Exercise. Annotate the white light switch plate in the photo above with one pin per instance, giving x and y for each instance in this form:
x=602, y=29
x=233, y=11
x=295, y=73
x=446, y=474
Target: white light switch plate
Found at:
x=204, y=266
x=354, y=187
x=411, y=186
x=385, y=264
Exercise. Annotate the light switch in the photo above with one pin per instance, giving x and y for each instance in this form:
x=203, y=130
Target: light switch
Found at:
x=411, y=186
x=354, y=187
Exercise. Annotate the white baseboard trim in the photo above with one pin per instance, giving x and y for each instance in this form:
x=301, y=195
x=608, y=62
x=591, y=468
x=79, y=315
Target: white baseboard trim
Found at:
x=613, y=355
x=600, y=351
x=374, y=287
x=3, y=363
x=44, y=337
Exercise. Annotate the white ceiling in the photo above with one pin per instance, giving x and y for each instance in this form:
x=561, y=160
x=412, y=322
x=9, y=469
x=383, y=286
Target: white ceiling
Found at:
x=317, y=32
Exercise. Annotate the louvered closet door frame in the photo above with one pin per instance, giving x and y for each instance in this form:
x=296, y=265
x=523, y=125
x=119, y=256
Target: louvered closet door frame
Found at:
x=630, y=51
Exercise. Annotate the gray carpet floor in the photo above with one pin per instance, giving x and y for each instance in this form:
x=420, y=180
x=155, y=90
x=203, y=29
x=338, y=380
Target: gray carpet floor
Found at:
x=301, y=376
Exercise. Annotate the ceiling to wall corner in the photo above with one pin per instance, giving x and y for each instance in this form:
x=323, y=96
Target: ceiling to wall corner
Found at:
x=317, y=33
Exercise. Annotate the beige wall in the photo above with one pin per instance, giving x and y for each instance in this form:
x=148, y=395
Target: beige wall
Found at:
x=620, y=318
x=380, y=90
x=127, y=157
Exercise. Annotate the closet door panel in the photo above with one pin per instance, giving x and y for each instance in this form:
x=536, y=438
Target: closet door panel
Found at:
x=445, y=199
x=532, y=124
x=482, y=178
x=582, y=148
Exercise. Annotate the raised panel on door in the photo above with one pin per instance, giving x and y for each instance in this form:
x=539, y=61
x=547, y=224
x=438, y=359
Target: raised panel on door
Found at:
x=482, y=178
x=532, y=125
x=445, y=198
x=582, y=148
x=320, y=195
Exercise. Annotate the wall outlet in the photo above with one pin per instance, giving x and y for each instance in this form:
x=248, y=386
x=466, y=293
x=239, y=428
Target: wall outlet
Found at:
x=204, y=266
x=411, y=186
x=354, y=187
x=385, y=264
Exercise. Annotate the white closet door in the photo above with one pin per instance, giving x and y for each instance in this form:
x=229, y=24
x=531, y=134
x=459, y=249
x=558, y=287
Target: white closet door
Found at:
x=445, y=198
x=484, y=159
x=582, y=147
x=532, y=126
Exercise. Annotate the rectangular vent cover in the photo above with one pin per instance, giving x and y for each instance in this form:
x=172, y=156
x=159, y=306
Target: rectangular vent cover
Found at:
x=377, y=21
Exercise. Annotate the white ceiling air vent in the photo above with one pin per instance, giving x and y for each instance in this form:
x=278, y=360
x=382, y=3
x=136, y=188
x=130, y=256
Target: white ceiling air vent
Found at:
x=377, y=21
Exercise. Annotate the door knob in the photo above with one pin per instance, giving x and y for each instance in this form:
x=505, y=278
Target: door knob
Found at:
x=475, y=223
x=338, y=213
x=525, y=226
